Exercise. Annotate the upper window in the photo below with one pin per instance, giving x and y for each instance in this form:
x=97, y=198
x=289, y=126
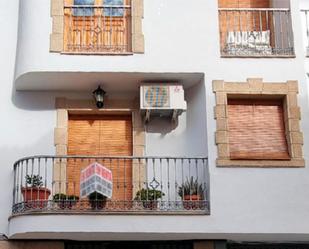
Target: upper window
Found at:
x=97, y=26
x=113, y=10
x=81, y=10
x=255, y=28
x=111, y=7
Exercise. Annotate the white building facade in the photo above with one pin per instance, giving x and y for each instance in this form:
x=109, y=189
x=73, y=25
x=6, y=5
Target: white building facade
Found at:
x=227, y=58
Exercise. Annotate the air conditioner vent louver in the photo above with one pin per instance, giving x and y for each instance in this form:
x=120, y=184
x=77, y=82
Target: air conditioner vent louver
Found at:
x=156, y=96
x=163, y=100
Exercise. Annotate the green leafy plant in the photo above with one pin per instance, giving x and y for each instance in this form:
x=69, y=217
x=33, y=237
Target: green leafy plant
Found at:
x=64, y=197
x=191, y=187
x=149, y=195
x=97, y=200
x=34, y=181
x=95, y=196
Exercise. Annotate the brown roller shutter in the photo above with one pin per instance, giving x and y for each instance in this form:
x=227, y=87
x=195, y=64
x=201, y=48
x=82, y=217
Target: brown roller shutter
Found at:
x=97, y=135
x=256, y=129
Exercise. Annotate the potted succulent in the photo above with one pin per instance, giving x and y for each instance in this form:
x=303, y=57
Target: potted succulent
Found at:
x=191, y=193
x=97, y=201
x=35, y=195
x=149, y=197
x=65, y=201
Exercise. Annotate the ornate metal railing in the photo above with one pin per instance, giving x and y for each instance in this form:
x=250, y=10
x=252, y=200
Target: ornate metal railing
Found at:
x=97, y=29
x=305, y=16
x=257, y=32
x=54, y=184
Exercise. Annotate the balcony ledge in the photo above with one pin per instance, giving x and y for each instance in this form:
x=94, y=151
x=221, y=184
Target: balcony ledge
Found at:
x=107, y=228
x=87, y=81
x=130, y=213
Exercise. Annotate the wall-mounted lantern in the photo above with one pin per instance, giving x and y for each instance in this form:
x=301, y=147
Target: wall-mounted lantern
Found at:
x=98, y=96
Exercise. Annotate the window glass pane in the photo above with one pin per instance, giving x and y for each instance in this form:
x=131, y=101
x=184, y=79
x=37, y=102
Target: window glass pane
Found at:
x=113, y=11
x=83, y=11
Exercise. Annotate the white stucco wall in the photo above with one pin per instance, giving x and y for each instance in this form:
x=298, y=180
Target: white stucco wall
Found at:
x=304, y=5
x=179, y=37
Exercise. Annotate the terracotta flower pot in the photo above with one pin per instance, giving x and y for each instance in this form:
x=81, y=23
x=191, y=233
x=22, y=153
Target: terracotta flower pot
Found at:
x=191, y=201
x=35, y=197
x=150, y=205
x=66, y=204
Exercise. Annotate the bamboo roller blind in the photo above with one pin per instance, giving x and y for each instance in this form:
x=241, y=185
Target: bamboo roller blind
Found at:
x=256, y=129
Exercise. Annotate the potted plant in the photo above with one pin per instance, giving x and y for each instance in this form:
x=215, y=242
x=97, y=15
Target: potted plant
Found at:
x=65, y=201
x=35, y=196
x=97, y=201
x=191, y=193
x=149, y=197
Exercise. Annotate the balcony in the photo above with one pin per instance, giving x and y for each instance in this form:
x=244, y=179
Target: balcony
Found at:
x=256, y=32
x=143, y=185
x=90, y=29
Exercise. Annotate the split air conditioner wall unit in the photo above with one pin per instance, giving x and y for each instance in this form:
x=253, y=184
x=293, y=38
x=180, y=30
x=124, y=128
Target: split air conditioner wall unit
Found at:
x=164, y=100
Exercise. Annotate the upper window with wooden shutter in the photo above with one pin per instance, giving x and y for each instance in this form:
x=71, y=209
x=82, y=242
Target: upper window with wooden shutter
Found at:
x=97, y=27
x=256, y=129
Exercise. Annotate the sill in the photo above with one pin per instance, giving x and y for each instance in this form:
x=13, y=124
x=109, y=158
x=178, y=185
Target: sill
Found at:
x=293, y=163
x=98, y=53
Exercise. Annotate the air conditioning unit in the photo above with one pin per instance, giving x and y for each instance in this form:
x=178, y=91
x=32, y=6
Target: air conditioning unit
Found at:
x=164, y=100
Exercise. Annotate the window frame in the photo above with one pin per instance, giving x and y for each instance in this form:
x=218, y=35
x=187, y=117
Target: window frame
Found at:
x=256, y=88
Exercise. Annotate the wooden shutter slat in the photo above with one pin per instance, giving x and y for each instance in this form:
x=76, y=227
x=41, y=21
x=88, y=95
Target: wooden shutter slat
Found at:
x=256, y=129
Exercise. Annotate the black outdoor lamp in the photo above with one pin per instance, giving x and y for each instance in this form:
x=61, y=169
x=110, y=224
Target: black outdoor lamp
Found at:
x=98, y=96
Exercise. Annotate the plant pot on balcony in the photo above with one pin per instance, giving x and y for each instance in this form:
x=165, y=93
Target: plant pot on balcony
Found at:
x=191, y=192
x=192, y=202
x=65, y=201
x=150, y=205
x=35, y=197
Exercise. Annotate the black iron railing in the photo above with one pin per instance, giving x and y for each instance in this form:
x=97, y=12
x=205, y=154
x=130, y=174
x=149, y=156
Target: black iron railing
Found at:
x=256, y=32
x=130, y=184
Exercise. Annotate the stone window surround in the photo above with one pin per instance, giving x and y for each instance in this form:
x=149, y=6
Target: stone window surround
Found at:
x=256, y=88
x=66, y=106
x=57, y=36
